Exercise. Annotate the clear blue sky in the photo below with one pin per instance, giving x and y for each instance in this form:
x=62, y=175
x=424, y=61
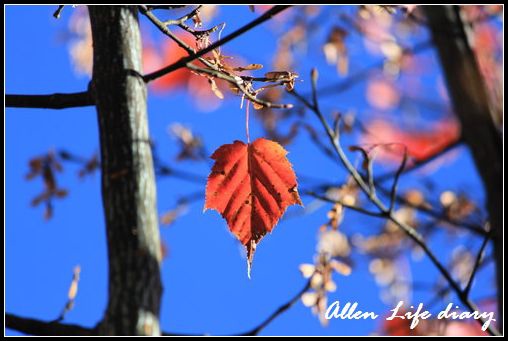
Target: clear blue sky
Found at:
x=206, y=289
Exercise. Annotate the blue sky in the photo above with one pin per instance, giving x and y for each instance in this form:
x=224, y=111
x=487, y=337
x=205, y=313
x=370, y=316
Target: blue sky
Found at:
x=206, y=289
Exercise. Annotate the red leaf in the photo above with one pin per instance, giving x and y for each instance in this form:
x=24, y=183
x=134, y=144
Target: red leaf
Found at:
x=251, y=185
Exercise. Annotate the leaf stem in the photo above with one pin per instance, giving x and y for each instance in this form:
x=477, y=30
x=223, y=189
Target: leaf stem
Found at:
x=247, y=121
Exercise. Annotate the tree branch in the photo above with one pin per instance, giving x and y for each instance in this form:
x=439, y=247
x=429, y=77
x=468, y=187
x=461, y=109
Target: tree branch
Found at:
x=420, y=163
x=476, y=266
x=36, y=327
x=393, y=193
x=184, y=61
x=53, y=101
x=213, y=70
x=238, y=82
x=42, y=328
x=408, y=230
x=278, y=311
x=364, y=73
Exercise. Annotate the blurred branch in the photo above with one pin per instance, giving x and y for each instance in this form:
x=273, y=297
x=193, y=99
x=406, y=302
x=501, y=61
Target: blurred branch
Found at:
x=53, y=101
x=439, y=216
x=420, y=163
x=162, y=170
x=364, y=73
x=443, y=291
x=393, y=192
x=406, y=228
x=477, y=229
x=333, y=201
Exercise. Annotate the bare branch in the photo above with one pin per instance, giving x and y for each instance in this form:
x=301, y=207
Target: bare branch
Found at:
x=420, y=163
x=185, y=17
x=477, y=229
x=184, y=61
x=278, y=311
x=42, y=328
x=71, y=296
x=162, y=27
x=166, y=7
x=393, y=192
x=363, y=74
x=36, y=327
x=477, y=263
x=162, y=170
x=53, y=101
x=437, y=215
x=212, y=70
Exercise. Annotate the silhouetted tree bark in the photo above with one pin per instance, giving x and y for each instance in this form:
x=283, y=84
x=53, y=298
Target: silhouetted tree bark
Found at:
x=128, y=183
x=471, y=105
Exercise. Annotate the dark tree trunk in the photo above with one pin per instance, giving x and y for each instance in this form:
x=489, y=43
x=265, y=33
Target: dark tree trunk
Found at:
x=471, y=105
x=128, y=185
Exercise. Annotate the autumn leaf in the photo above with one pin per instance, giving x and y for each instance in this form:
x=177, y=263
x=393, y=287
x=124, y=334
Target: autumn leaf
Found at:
x=251, y=185
x=248, y=67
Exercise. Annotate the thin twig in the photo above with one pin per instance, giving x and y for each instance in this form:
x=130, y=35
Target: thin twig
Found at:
x=393, y=192
x=476, y=266
x=71, y=295
x=185, y=17
x=440, y=216
x=180, y=22
x=166, y=7
x=278, y=311
x=477, y=229
x=162, y=27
